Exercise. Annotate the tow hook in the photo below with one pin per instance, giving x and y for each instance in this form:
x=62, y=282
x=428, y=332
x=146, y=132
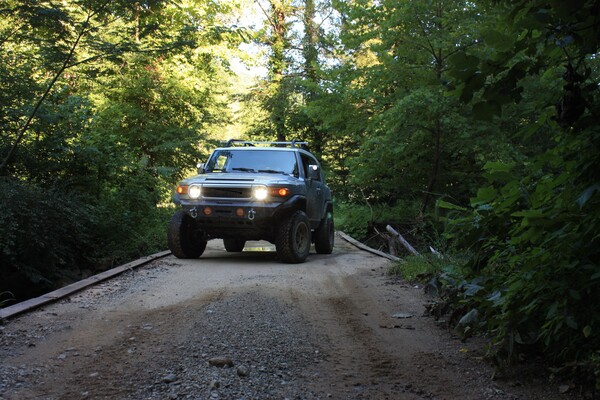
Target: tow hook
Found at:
x=194, y=212
x=251, y=214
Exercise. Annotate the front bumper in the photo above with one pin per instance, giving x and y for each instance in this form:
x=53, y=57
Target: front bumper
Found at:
x=250, y=220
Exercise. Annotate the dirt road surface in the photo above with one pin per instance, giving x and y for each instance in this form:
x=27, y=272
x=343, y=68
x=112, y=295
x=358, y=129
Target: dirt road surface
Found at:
x=244, y=326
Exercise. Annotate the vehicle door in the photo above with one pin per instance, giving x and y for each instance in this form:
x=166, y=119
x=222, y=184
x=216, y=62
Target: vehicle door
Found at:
x=314, y=189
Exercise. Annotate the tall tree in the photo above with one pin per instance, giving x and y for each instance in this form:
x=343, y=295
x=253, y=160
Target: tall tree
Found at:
x=276, y=98
x=396, y=68
x=295, y=46
x=104, y=105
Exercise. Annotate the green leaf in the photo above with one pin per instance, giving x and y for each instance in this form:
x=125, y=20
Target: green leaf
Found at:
x=529, y=214
x=449, y=206
x=471, y=289
x=463, y=66
x=587, y=331
x=587, y=194
x=469, y=318
x=484, y=196
x=463, y=61
x=498, y=40
x=575, y=294
x=499, y=171
x=486, y=110
x=570, y=321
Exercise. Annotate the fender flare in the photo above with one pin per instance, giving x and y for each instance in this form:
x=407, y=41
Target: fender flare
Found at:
x=296, y=202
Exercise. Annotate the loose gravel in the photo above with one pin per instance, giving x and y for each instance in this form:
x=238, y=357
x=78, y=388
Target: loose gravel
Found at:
x=244, y=326
x=244, y=347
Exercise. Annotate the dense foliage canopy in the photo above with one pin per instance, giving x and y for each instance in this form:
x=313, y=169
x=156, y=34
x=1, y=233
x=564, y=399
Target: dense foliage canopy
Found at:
x=105, y=105
x=473, y=126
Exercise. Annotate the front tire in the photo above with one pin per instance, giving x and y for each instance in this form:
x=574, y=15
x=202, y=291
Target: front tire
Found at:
x=234, y=245
x=185, y=240
x=293, y=239
x=325, y=235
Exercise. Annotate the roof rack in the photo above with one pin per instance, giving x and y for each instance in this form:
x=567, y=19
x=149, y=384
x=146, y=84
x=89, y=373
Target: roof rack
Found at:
x=293, y=143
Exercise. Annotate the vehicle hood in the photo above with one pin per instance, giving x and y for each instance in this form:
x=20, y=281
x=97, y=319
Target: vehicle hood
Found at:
x=239, y=178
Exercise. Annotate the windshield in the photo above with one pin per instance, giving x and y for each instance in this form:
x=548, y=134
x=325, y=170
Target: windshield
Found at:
x=265, y=161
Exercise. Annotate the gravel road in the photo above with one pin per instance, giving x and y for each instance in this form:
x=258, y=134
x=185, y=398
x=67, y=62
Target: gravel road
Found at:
x=244, y=326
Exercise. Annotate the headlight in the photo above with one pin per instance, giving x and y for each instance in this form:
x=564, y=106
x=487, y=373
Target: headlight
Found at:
x=194, y=191
x=260, y=192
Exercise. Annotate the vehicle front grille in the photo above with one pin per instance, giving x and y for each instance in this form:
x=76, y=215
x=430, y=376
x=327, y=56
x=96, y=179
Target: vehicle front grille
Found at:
x=227, y=192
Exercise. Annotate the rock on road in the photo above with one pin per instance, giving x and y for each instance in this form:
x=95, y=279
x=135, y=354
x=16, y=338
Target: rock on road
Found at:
x=244, y=326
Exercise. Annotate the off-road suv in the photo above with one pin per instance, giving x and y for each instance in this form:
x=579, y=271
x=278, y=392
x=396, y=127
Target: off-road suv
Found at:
x=271, y=191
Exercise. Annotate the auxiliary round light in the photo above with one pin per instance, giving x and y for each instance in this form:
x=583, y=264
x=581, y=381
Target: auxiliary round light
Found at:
x=207, y=211
x=239, y=212
x=194, y=191
x=260, y=192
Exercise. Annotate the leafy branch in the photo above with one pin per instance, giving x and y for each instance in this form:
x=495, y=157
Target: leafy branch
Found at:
x=21, y=134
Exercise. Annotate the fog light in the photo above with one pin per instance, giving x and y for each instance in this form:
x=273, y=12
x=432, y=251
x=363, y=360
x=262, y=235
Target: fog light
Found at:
x=207, y=211
x=239, y=212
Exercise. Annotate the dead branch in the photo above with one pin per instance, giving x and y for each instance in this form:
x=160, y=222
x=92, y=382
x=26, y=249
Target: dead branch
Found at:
x=402, y=240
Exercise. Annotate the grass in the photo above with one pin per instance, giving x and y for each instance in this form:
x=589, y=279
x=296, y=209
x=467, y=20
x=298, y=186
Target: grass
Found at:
x=420, y=268
x=6, y=301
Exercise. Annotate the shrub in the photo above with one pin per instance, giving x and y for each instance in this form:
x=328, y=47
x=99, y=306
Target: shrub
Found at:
x=536, y=253
x=422, y=268
x=45, y=238
x=51, y=237
x=356, y=218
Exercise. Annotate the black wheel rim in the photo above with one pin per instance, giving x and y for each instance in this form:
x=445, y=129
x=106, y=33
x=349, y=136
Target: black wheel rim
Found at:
x=301, y=238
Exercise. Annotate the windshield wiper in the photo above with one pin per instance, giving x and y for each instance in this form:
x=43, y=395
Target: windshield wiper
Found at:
x=243, y=169
x=272, y=171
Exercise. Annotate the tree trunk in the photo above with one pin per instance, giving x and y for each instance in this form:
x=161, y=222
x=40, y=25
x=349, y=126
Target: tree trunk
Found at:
x=311, y=60
x=437, y=130
x=278, y=64
x=435, y=166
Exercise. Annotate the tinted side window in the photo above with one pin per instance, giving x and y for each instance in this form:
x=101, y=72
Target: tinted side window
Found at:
x=306, y=161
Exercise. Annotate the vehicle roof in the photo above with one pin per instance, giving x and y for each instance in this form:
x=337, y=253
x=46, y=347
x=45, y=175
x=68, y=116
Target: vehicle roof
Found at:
x=259, y=148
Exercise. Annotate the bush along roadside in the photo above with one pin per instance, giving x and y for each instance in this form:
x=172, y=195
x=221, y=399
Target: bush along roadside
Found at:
x=473, y=305
x=532, y=280
x=51, y=237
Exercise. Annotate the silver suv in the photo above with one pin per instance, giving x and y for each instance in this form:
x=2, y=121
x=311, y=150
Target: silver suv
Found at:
x=272, y=191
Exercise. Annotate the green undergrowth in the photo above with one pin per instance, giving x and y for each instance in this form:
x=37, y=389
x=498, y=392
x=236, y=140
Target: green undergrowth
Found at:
x=533, y=277
x=50, y=237
x=420, y=268
x=355, y=218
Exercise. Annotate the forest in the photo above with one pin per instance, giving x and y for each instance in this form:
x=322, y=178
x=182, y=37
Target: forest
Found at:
x=472, y=127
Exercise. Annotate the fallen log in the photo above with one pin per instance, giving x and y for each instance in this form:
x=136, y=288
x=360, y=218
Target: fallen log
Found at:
x=367, y=248
x=402, y=240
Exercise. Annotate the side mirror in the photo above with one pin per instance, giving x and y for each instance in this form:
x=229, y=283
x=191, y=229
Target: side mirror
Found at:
x=200, y=168
x=314, y=172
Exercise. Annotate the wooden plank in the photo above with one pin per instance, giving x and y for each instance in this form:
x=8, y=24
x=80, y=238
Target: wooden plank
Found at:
x=68, y=290
x=364, y=247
